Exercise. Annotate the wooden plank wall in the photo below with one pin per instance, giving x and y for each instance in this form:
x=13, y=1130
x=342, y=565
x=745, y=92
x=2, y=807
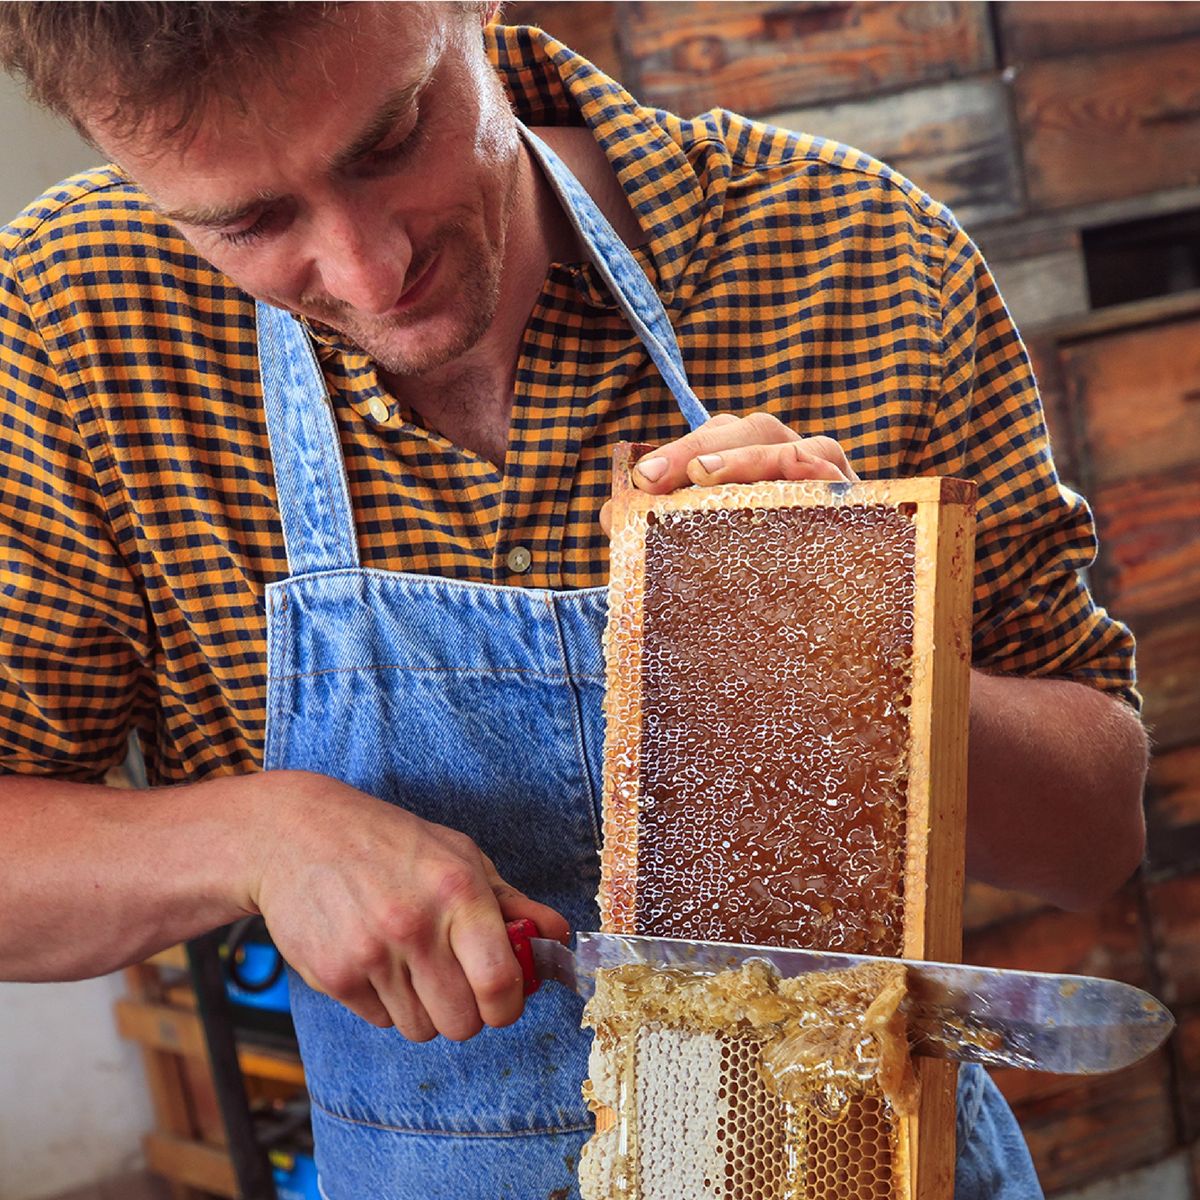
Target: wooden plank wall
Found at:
x=1035, y=122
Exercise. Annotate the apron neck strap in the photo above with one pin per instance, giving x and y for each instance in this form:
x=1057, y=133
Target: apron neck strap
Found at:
x=310, y=473
x=625, y=278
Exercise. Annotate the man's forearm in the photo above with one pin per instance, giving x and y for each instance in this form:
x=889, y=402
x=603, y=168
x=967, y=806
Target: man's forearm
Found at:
x=1055, y=789
x=92, y=878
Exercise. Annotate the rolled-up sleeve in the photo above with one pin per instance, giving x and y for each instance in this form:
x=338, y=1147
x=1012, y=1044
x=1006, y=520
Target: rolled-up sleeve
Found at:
x=73, y=628
x=1035, y=537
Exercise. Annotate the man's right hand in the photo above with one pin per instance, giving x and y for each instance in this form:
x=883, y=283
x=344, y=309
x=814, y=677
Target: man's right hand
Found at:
x=400, y=920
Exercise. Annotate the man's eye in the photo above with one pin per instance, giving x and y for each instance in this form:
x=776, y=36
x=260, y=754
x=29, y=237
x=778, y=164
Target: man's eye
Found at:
x=251, y=233
x=400, y=143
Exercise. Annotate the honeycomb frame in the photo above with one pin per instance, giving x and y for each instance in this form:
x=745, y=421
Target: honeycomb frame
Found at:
x=942, y=513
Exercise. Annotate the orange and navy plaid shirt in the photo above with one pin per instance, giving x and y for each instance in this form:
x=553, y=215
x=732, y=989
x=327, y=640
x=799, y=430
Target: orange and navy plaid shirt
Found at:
x=137, y=502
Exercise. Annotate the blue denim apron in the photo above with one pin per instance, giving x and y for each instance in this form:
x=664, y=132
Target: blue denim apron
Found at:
x=477, y=707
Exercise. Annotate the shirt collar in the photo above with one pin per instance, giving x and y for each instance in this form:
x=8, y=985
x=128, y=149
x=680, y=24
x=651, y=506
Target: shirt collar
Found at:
x=549, y=84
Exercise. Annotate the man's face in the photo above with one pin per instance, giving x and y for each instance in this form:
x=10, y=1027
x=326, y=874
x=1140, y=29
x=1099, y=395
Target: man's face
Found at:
x=372, y=193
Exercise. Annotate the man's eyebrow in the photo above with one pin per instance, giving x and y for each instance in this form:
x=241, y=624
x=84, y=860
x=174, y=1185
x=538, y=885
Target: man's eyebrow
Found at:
x=219, y=216
x=380, y=124
x=216, y=216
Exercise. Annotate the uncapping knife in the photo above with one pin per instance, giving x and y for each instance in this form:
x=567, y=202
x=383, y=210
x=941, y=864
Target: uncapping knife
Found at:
x=1068, y=1024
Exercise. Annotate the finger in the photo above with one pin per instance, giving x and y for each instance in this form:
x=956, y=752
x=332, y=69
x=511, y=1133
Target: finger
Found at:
x=831, y=450
x=665, y=469
x=490, y=967
x=393, y=986
x=361, y=999
x=606, y=518
x=442, y=988
x=514, y=906
x=753, y=464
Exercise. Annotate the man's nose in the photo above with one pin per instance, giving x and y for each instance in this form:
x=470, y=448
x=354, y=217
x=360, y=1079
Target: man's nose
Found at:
x=363, y=261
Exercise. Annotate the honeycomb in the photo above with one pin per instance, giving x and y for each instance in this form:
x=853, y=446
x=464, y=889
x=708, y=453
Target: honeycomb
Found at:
x=769, y=647
x=775, y=696
x=742, y=1085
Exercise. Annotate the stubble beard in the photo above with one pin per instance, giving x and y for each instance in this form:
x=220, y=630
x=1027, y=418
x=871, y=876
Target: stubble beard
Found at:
x=474, y=303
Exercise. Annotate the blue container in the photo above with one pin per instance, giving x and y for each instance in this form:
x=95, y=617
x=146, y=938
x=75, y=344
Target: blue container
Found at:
x=295, y=1175
x=256, y=961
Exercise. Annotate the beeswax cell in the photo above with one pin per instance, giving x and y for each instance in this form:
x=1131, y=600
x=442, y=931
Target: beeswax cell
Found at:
x=741, y=1086
x=785, y=763
x=776, y=658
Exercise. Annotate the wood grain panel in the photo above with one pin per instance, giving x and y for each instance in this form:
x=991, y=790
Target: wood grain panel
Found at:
x=759, y=57
x=1099, y=126
x=589, y=27
x=952, y=139
x=1041, y=288
x=1168, y=663
x=1107, y=943
x=1137, y=395
x=1043, y=356
x=1063, y=1116
x=1186, y=1045
x=1150, y=541
x=191, y=1163
x=1094, y=1128
x=1173, y=809
x=1045, y=28
x=1175, y=918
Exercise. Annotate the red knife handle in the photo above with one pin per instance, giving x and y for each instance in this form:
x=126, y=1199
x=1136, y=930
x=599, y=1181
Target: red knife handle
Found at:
x=519, y=933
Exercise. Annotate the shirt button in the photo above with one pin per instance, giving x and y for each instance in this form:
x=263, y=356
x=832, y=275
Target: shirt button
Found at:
x=519, y=560
x=377, y=409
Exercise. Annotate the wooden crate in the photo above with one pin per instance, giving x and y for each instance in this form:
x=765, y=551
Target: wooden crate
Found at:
x=1137, y=110
x=953, y=139
x=1034, y=29
x=1085, y=1128
x=186, y=1146
x=1173, y=810
x=758, y=57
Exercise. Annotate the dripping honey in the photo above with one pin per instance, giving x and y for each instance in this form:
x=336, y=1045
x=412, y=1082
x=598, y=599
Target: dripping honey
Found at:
x=808, y=1065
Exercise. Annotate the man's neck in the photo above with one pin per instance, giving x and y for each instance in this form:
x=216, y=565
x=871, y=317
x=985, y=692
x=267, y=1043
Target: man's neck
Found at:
x=469, y=401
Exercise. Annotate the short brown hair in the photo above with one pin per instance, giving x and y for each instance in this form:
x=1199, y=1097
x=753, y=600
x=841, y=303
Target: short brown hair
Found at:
x=145, y=57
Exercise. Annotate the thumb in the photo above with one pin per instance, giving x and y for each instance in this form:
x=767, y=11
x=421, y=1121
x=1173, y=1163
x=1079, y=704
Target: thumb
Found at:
x=515, y=906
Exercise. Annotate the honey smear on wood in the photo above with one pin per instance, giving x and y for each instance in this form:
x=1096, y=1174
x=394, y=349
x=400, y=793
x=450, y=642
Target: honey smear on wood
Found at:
x=746, y=1086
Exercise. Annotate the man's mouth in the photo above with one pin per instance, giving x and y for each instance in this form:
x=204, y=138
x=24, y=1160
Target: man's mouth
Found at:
x=415, y=290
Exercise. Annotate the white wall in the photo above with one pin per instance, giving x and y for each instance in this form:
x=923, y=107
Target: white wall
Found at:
x=73, y=1100
x=38, y=150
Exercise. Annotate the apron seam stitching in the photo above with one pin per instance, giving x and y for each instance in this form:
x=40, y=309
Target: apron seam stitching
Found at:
x=439, y=671
x=461, y=1133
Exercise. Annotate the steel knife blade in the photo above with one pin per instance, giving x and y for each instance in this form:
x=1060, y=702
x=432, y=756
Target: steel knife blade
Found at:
x=1067, y=1024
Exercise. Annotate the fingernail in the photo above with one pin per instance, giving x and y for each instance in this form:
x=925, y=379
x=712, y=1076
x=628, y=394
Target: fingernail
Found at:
x=653, y=468
x=711, y=462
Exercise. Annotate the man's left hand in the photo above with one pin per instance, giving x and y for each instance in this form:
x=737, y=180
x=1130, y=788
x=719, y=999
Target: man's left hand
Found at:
x=729, y=449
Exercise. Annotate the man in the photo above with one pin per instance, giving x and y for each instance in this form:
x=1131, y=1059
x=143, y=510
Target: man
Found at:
x=293, y=601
